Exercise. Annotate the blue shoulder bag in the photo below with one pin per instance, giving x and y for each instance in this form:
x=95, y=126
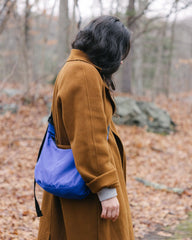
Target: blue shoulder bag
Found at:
x=55, y=170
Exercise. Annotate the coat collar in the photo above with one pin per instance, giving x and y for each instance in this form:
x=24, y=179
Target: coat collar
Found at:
x=78, y=55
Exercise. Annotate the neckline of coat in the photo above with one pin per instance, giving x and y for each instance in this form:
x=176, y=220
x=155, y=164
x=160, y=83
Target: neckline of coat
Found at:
x=78, y=55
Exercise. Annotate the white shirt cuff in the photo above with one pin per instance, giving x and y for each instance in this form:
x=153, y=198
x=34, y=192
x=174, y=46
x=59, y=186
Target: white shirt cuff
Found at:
x=106, y=193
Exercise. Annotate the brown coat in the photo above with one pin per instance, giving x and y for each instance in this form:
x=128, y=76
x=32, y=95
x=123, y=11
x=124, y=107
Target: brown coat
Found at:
x=82, y=109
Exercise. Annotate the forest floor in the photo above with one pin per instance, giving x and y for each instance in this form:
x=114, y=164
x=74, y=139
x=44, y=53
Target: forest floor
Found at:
x=182, y=231
x=157, y=214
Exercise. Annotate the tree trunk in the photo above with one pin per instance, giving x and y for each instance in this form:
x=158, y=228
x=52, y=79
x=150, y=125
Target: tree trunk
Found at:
x=157, y=83
x=138, y=52
x=101, y=7
x=127, y=68
x=125, y=85
x=73, y=28
x=63, y=35
x=170, y=58
x=26, y=47
x=5, y=13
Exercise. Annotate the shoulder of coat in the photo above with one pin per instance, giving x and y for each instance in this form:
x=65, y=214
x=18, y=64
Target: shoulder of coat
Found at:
x=87, y=68
x=84, y=64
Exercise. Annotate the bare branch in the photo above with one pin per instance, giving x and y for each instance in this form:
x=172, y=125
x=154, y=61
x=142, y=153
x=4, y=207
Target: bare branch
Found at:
x=8, y=77
x=4, y=6
x=50, y=18
x=80, y=19
x=134, y=19
x=189, y=4
x=101, y=6
x=160, y=186
x=7, y=8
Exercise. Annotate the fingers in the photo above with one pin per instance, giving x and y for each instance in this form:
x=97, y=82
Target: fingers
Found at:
x=104, y=212
x=110, y=209
x=115, y=215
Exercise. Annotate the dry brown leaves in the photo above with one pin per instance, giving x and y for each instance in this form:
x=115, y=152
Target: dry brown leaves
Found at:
x=161, y=159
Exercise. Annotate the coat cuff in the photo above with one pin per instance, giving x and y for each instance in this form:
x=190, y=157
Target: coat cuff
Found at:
x=108, y=179
x=106, y=193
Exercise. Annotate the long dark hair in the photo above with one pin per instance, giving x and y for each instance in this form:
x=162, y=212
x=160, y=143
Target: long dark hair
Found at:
x=106, y=41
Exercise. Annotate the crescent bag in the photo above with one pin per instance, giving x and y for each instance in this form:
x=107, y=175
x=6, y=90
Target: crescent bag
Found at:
x=55, y=170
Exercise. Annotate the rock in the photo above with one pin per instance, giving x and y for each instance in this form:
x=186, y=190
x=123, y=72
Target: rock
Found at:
x=49, y=104
x=13, y=108
x=131, y=112
x=11, y=92
x=44, y=120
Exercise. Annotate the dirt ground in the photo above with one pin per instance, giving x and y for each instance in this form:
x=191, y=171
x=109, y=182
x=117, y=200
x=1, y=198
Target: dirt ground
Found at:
x=156, y=158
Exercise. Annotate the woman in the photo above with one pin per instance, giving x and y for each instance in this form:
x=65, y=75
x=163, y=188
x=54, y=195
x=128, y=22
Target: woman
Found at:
x=82, y=110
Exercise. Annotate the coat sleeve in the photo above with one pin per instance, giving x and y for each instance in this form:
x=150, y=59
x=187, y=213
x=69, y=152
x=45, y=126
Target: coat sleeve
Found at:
x=81, y=100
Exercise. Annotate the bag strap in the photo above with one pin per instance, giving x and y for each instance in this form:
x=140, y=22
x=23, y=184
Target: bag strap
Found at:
x=108, y=128
x=50, y=119
x=37, y=207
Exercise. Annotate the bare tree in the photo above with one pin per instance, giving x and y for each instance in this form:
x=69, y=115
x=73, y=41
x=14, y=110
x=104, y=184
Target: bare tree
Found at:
x=101, y=7
x=131, y=22
x=127, y=74
x=5, y=12
x=159, y=59
x=26, y=46
x=75, y=25
x=138, y=49
x=63, y=35
x=159, y=73
x=170, y=57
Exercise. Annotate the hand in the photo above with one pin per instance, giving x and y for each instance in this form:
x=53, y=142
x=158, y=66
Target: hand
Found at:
x=110, y=209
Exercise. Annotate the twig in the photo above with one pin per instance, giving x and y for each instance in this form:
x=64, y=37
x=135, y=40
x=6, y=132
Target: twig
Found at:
x=4, y=6
x=160, y=186
x=7, y=14
x=8, y=77
x=134, y=19
x=80, y=18
x=26, y=139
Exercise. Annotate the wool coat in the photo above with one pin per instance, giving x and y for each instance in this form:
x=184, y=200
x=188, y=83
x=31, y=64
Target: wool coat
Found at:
x=82, y=110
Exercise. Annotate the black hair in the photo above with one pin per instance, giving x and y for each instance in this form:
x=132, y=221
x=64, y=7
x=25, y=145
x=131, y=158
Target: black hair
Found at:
x=106, y=41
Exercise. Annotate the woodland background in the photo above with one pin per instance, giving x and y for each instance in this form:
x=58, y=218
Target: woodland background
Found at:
x=35, y=38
